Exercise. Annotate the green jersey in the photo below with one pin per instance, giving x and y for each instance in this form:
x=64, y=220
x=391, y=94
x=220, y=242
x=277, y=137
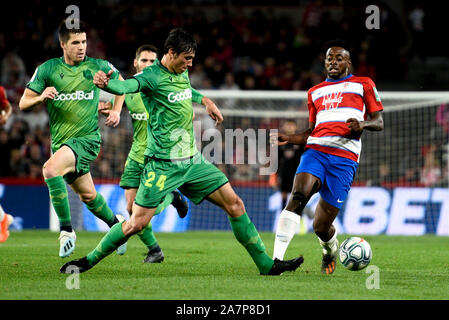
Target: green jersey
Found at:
x=73, y=112
x=139, y=118
x=168, y=100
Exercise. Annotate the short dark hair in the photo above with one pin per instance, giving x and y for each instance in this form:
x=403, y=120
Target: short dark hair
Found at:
x=146, y=47
x=180, y=41
x=337, y=43
x=64, y=32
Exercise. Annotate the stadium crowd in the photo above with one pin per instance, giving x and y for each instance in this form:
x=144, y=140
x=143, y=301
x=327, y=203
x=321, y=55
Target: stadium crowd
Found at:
x=241, y=47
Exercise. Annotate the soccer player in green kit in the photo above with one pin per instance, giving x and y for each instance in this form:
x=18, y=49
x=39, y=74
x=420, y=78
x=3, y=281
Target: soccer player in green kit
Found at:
x=172, y=160
x=65, y=85
x=146, y=55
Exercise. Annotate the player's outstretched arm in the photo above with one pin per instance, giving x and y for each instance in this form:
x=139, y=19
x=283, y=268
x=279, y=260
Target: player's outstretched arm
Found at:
x=30, y=98
x=115, y=86
x=301, y=138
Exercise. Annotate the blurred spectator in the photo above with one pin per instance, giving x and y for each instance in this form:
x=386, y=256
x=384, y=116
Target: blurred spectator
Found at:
x=229, y=84
x=35, y=155
x=416, y=20
x=312, y=18
x=289, y=157
x=410, y=178
x=197, y=76
x=442, y=119
x=35, y=170
x=431, y=171
x=383, y=177
x=18, y=164
x=13, y=71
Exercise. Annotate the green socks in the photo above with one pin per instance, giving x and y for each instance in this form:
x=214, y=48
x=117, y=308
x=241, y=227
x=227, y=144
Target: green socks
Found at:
x=59, y=199
x=110, y=242
x=245, y=232
x=99, y=208
x=147, y=236
x=115, y=237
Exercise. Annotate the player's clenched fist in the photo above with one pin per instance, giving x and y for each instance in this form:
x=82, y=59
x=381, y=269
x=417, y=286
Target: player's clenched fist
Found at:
x=355, y=125
x=101, y=79
x=49, y=93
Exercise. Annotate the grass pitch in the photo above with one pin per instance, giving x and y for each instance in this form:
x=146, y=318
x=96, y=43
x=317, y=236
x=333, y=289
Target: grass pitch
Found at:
x=214, y=266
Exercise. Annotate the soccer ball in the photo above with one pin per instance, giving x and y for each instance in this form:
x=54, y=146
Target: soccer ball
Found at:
x=355, y=253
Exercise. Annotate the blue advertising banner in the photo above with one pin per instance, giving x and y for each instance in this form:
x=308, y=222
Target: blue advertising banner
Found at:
x=367, y=210
x=29, y=204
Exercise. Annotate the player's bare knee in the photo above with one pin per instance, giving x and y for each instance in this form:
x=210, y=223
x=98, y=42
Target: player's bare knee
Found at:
x=297, y=202
x=87, y=196
x=48, y=170
x=235, y=207
x=135, y=226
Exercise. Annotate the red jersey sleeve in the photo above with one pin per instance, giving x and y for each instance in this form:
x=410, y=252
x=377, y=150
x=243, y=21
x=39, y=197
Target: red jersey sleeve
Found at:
x=3, y=99
x=311, y=106
x=371, y=97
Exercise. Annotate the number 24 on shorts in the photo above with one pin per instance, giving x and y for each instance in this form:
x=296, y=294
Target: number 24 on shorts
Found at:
x=160, y=182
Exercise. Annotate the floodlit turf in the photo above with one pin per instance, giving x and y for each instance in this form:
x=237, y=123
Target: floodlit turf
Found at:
x=214, y=266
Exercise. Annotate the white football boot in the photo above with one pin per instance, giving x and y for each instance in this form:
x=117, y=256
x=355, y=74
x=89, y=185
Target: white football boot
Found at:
x=66, y=243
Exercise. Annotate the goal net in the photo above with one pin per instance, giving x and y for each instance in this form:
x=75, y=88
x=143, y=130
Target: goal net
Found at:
x=411, y=153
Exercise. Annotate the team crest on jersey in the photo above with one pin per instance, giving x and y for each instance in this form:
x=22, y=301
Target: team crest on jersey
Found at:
x=332, y=100
x=88, y=75
x=61, y=75
x=376, y=94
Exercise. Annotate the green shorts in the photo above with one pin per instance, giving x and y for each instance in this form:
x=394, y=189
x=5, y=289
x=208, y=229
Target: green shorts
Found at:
x=131, y=175
x=196, y=178
x=86, y=150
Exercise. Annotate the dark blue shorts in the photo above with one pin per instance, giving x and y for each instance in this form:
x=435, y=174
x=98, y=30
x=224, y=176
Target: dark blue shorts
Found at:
x=336, y=174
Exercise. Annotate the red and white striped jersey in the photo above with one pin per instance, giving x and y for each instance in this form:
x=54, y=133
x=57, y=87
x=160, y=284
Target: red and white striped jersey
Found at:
x=330, y=104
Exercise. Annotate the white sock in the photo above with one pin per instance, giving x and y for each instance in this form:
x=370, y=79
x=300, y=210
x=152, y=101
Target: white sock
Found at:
x=288, y=225
x=2, y=213
x=331, y=246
